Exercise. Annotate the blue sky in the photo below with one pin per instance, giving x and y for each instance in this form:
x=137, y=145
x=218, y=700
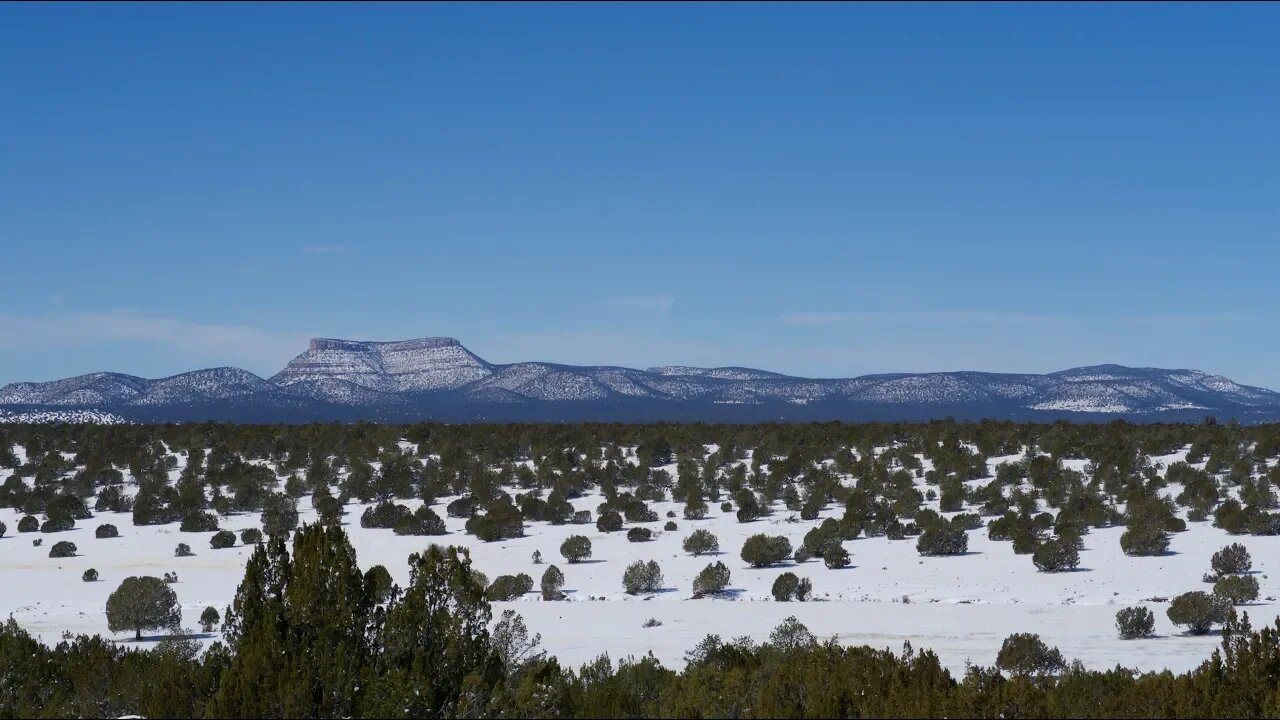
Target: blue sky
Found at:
x=819, y=190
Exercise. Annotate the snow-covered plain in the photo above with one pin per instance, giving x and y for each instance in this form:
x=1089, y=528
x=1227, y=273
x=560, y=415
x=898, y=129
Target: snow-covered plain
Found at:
x=960, y=607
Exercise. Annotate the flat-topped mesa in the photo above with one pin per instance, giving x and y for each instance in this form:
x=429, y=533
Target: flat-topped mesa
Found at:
x=423, y=364
x=391, y=346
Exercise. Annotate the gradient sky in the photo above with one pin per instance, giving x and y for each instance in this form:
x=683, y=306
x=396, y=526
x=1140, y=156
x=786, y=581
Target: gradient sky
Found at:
x=813, y=189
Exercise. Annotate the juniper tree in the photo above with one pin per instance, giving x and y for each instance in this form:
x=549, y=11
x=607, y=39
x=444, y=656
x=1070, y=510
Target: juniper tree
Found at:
x=143, y=603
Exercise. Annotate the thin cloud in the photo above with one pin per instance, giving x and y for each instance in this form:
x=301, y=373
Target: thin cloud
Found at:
x=653, y=303
x=984, y=317
x=325, y=249
x=211, y=343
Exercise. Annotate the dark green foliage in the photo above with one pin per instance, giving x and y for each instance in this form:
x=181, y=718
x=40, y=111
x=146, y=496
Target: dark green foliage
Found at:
x=424, y=521
x=250, y=536
x=552, y=584
x=835, y=556
x=377, y=584
x=143, y=603
x=1231, y=560
x=199, y=522
x=90, y=575
x=209, y=619
x=609, y=521
x=500, y=521
x=1197, y=610
x=701, y=542
x=576, y=548
x=764, y=550
x=942, y=540
x=1144, y=541
x=279, y=515
x=713, y=579
x=385, y=514
x=788, y=587
x=183, y=550
x=1133, y=623
x=508, y=587
x=222, y=539
x=60, y=523
x=1237, y=589
x=639, y=534
x=105, y=531
x=642, y=577
x=670, y=526
x=1026, y=654
x=62, y=549
x=1056, y=555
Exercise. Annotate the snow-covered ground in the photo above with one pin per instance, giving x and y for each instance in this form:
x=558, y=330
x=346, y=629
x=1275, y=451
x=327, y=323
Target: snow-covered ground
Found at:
x=960, y=607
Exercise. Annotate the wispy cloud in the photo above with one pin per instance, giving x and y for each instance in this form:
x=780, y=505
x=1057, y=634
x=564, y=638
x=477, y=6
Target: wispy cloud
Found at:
x=653, y=303
x=985, y=317
x=212, y=343
x=325, y=249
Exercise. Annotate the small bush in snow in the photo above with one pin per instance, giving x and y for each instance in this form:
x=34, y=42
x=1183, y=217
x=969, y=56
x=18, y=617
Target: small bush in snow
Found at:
x=713, y=579
x=1056, y=555
x=1135, y=622
x=250, y=536
x=701, y=542
x=1232, y=560
x=639, y=534
x=509, y=587
x=222, y=539
x=1144, y=540
x=183, y=550
x=835, y=557
x=90, y=575
x=199, y=522
x=788, y=587
x=209, y=619
x=28, y=523
x=1237, y=589
x=552, y=584
x=642, y=577
x=576, y=548
x=942, y=540
x=764, y=550
x=670, y=526
x=62, y=549
x=1198, y=611
x=102, y=532
x=652, y=622
x=610, y=521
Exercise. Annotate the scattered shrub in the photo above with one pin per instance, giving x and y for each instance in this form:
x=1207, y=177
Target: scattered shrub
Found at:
x=183, y=550
x=199, y=522
x=670, y=526
x=713, y=579
x=764, y=550
x=222, y=539
x=1056, y=555
x=1133, y=623
x=1237, y=589
x=609, y=521
x=209, y=619
x=250, y=536
x=509, y=587
x=701, y=542
x=1197, y=610
x=942, y=540
x=62, y=549
x=105, y=531
x=642, y=577
x=576, y=548
x=552, y=584
x=28, y=523
x=835, y=556
x=90, y=575
x=639, y=534
x=377, y=581
x=1233, y=559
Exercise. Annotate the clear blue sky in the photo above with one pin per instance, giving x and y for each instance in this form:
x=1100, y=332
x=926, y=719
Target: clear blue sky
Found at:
x=819, y=190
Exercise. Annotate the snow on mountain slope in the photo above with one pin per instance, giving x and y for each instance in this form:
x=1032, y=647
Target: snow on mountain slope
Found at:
x=429, y=376
x=92, y=389
x=405, y=366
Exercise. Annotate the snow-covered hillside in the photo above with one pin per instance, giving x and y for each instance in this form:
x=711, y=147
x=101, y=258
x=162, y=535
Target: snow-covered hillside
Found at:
x=437, y=378
x=961, y=606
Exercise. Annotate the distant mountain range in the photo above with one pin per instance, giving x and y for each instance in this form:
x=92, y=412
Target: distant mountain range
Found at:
x=439, y=379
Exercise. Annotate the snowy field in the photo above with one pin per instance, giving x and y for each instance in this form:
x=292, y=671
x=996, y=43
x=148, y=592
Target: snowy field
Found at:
x=960, y=607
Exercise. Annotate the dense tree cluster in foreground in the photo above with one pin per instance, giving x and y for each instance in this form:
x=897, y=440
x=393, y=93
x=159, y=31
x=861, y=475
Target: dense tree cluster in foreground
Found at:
x=309, y=635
